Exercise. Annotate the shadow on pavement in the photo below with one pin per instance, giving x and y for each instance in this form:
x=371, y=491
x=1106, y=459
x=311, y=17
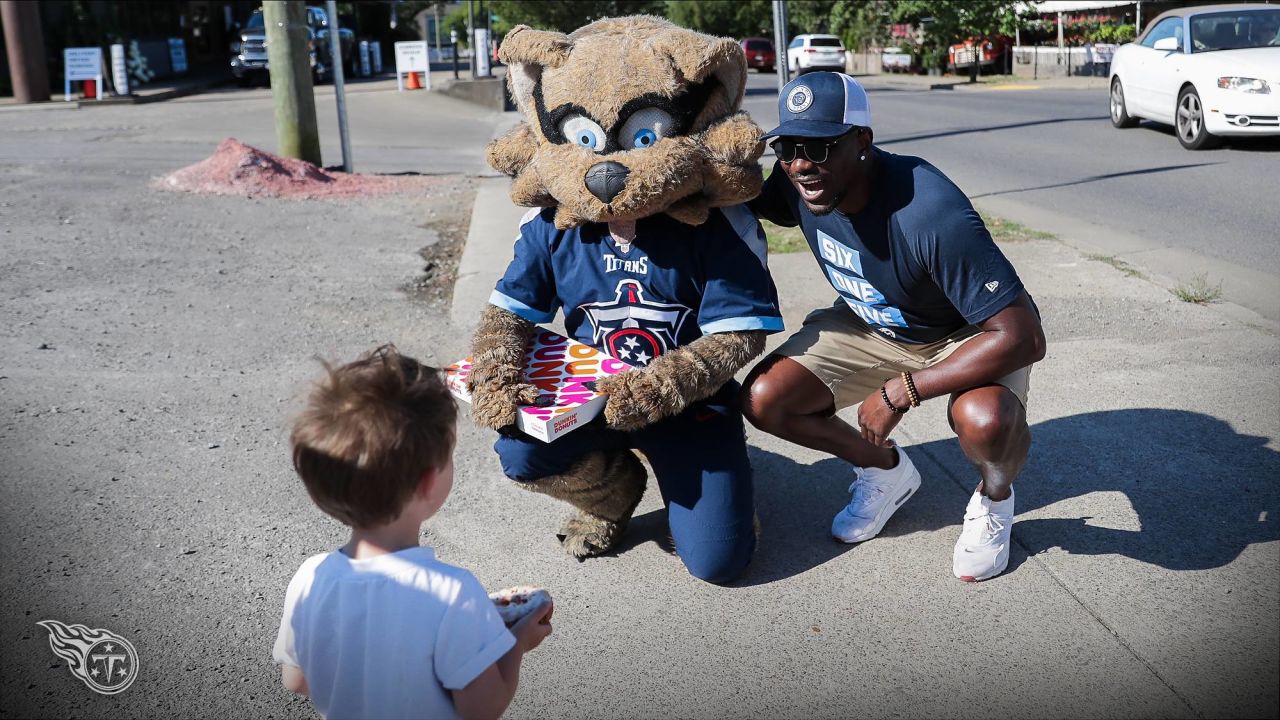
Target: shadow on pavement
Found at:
x=1094, y=178
x=1190, y=509
x=1265, y=143
x=989, y=128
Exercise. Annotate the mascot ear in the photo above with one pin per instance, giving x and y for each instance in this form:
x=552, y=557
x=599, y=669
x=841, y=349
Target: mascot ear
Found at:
x=526, y=52
x=698, y=60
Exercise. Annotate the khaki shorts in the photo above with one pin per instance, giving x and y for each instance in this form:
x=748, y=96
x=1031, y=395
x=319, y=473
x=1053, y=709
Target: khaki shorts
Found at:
x=853, y=360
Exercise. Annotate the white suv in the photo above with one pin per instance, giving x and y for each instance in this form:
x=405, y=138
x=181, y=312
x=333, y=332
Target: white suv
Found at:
x=807, y=53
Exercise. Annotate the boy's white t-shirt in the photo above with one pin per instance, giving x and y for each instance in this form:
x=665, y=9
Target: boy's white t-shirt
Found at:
x=388, y=636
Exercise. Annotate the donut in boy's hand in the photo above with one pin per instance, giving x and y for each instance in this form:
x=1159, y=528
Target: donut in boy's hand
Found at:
x=514, y=603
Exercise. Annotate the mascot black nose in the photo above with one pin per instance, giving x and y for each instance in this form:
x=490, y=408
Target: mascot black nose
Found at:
x=605, y=180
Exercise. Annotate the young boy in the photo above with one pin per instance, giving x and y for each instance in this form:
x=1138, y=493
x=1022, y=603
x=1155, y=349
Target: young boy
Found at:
x=380, y=628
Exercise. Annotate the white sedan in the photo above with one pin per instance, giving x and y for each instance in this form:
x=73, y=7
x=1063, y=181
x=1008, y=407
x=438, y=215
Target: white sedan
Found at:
x=1210, y=71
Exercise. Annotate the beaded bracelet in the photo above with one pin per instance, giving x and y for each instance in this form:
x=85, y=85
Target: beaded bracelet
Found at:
x=885, y=396
x=910, y=385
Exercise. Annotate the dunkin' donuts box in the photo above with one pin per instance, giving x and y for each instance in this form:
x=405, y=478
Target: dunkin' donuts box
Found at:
x=560, y=368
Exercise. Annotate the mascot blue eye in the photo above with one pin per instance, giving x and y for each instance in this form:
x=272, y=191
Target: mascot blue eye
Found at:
x=644, y=138
x=645, y=127
x=583, y=131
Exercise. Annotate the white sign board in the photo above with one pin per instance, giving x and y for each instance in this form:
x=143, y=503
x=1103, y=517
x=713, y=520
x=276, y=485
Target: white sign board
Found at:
x=480, y=53
x=119, y=70
x=81, y=64
x=411, y=56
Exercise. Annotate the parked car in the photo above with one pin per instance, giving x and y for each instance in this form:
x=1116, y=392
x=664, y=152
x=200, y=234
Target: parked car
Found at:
x=960, y=56
x=815, y=52
x=1210, y=71
x=249, y=51
x=760, y=53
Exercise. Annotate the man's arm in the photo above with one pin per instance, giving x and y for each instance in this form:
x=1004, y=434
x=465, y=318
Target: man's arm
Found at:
x=773, y=203
x=1010, y=339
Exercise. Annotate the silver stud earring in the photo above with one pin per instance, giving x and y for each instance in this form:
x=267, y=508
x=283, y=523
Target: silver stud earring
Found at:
x=863, y=156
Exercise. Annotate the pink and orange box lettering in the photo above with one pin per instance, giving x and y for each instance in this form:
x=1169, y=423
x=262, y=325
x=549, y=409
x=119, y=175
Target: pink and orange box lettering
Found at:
x=559, y=368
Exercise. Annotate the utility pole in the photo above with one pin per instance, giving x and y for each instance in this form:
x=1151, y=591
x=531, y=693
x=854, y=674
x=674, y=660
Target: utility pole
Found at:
x=782, y=64
x=471, y=38
x=24, y=42
x=339, y=90
x=295, y=103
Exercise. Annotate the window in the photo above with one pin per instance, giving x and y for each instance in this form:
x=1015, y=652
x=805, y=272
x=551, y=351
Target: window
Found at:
x=1235, y=30
x=1170, y=27
x=796, y=43
x=759, y=45
x=824, y=42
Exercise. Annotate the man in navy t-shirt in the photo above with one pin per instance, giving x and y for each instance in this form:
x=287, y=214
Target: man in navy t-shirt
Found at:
x=927, y=306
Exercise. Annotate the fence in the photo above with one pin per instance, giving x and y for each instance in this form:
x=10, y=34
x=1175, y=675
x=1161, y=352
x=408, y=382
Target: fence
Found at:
x=1046, y=62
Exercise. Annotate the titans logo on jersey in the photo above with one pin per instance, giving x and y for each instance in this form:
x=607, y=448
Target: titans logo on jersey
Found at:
x=672, y=285
x=633, y=329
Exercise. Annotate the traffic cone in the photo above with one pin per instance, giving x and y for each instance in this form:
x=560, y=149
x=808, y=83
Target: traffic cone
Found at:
x=413, y=82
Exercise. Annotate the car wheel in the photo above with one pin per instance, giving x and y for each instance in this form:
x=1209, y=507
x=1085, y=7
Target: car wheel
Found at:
x=1119, y=115
x=1189, y=122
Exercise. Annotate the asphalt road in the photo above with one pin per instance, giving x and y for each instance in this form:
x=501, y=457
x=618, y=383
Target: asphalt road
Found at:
x=1050, y=158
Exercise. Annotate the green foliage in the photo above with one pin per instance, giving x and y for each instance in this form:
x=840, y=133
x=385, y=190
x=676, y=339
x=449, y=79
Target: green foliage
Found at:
x=861, y=23
x=568, y=15
x=808, y=16
x=954, y=21
x=744, y=18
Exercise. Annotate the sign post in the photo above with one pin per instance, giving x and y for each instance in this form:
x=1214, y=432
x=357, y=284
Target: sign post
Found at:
x=339, y=88
x=81, y=64
x=480, y=52
x=119, y=70
x=411, y=56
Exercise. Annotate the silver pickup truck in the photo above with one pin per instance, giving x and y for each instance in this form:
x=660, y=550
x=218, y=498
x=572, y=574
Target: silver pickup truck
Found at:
x=249, y=51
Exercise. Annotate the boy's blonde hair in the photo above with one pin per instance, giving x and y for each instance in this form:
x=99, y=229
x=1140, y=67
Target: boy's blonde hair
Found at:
x=371, y=429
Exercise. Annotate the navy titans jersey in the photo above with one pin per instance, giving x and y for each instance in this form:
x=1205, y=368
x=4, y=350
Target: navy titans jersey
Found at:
x=916, y=264
x=673, y=284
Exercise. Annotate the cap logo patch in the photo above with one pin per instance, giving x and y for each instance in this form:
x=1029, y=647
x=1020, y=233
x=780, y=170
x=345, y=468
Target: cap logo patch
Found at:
x=799, y=99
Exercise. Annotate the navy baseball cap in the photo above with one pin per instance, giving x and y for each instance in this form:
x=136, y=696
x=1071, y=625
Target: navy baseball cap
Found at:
x=821, y=104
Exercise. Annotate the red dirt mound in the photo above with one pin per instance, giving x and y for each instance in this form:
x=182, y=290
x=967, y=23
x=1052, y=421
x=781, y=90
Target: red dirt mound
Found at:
x=239, y=169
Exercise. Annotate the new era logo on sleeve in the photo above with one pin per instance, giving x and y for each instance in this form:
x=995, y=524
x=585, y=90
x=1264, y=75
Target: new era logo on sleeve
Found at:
x=991, y=286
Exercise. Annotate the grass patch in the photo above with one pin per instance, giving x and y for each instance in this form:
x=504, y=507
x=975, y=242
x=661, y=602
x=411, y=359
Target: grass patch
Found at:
x=1118, y=264
x=1009, y=231
x=1197, y=290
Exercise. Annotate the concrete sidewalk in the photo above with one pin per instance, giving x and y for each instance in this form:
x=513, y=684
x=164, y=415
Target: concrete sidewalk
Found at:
x=154, y=345
x=1145, y=575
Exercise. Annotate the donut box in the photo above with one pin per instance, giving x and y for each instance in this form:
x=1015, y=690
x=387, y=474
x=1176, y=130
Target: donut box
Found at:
x=560, y=368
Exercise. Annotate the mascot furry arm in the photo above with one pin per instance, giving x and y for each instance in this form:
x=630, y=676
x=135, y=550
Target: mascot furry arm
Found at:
x=712, y=163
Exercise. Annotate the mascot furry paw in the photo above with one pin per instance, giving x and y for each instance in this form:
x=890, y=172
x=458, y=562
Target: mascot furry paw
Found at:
x=636, y=158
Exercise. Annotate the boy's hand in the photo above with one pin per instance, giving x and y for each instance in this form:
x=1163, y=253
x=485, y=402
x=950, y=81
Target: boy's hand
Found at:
x=533, y=628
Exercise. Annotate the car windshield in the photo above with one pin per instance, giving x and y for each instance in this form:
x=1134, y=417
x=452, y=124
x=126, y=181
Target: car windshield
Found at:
x=759, y=45
x=1235, y=30
x=255, y=21
x=824, y=42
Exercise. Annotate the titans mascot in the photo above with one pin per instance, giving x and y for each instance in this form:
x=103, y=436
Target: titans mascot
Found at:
x=635, y=158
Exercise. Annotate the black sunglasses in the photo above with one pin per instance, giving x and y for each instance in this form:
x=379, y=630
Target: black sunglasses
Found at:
x=816, y=150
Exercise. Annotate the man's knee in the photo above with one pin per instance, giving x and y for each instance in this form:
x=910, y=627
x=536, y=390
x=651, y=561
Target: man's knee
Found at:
x=765, y=396
x=988, y=419
x=527, y=460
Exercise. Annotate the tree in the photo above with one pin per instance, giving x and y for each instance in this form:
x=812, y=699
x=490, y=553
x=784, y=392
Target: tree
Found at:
x=745, y=18
x=954, y=21
x=569, y=15
x=861, y=23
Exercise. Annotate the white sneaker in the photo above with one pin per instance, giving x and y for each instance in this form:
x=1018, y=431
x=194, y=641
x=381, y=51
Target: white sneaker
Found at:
x=877, y=495
x=982, y=551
